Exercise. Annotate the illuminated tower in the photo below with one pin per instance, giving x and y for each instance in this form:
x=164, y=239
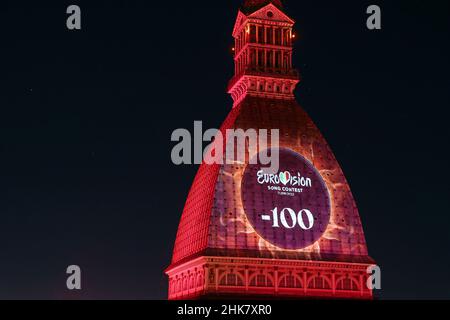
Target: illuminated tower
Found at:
x=295, y=233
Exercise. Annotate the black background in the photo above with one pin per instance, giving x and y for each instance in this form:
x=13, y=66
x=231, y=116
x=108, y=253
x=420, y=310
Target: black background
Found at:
x=86, y=118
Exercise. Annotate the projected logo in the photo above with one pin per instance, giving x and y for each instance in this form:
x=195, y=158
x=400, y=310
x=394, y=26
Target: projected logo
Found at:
x=289, y=209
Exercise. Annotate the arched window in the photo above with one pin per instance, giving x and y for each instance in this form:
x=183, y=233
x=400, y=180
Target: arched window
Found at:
x=199, y=280
x=278, y=36
x=253, y=34
x=347, y=284
x=231, y=279
x=253, y=57
x=260, y=34
x=269, y=57
x=319, y=282
x=261, y=280
x=261, y=57
x=270, y=35
x=278, y=60
x=290, y=281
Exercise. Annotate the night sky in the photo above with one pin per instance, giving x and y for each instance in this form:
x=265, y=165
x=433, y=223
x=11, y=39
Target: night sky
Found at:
x=86, y=118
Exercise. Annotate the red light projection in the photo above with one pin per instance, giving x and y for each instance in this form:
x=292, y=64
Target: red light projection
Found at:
x=289, y=209
x=231, y=228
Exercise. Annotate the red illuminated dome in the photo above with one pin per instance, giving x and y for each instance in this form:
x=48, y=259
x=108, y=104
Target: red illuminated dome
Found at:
x=295, y=234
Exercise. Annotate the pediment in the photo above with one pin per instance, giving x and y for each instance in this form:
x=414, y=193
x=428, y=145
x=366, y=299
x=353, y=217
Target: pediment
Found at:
x=269, y=12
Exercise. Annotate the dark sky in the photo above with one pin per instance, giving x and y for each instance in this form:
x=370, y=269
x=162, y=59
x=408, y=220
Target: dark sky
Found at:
x=86, y=119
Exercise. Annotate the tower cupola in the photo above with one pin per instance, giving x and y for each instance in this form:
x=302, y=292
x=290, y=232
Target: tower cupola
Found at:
x=263, y=52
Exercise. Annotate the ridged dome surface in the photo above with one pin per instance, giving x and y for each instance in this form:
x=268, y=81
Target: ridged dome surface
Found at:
x=214, y=221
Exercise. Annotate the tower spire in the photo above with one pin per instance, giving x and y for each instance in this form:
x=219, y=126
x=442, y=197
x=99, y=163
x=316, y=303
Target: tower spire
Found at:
x=248, y=233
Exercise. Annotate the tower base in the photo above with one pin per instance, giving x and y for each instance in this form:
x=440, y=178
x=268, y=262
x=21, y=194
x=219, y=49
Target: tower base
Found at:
x=208, y=277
